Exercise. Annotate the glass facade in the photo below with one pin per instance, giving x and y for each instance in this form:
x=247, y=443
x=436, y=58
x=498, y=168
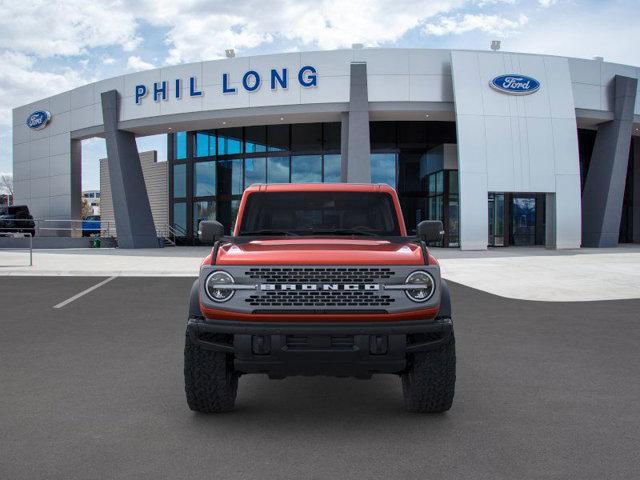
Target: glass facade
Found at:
x=210, y=169
x=409, y=156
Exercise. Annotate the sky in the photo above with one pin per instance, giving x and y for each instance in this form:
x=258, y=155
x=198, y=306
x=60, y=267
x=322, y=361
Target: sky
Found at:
x=48, y=47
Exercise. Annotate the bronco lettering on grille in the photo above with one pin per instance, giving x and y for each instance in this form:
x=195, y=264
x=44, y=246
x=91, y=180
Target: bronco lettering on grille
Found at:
x=322, y=286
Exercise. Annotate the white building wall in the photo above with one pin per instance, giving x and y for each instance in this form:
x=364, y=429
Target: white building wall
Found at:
x=509, y=143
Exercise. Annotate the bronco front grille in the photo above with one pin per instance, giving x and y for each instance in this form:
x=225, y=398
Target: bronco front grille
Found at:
x=319, y=274
x=319, y=299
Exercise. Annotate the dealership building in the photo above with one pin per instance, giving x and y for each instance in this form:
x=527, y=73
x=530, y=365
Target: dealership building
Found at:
x=504, y=148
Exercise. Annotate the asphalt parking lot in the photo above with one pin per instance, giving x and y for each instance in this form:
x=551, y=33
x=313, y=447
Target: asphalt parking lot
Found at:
x=94, y=389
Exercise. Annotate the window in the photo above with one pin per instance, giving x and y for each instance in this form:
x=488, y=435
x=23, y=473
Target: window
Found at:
x=180, y=216
x=278, y=137
x=180, y=180
x=332, y=168
x=306, y=169
x=383, y=168
x=203, y=210
x=308, y=213
x=332, y=135
x=229, y=141
x=255, y=139
x=278, y=170
x=180, y=146
x=205, y=144
x=204, y=179
x=230, y=177
x=255, y=171
x=306, y=136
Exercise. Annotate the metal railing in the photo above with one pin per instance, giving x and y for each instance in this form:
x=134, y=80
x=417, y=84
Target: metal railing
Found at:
x=20, y=235
x=171, y=233
x=45, y=227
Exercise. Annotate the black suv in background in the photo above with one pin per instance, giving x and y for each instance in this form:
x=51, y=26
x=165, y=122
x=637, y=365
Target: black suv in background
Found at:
x=17, y=219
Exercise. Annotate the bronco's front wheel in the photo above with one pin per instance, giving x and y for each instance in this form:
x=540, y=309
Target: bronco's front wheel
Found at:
x=210, y=382
x=429, y=382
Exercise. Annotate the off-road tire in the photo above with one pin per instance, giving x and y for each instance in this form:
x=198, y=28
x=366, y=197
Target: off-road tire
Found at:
x=429, y=382
x=210, y=382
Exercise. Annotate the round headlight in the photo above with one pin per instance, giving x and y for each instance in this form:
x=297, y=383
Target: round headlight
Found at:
x=425, y=286
x=215, y=286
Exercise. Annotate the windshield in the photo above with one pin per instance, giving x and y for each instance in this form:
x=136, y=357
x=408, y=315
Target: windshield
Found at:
x=320, y=213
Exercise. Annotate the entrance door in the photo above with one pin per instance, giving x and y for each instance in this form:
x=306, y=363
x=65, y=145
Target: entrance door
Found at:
x=496, y=220
x=523, y=220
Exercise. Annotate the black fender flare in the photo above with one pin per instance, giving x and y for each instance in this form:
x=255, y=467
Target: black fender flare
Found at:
x=445, y=301
x=194, y=301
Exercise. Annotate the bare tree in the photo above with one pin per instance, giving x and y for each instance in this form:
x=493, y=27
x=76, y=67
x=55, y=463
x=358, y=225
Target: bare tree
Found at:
x=6, y=186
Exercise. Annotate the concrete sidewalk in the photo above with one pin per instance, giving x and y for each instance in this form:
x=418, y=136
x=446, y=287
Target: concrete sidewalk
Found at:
x=522, y=273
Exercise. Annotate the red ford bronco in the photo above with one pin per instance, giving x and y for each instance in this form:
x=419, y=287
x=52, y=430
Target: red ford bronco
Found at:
x=320, y=279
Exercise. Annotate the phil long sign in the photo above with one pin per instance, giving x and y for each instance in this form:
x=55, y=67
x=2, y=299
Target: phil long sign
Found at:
x=250, y=81
x=515, y=84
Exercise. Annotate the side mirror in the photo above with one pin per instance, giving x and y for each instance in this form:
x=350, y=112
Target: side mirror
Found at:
x=210, y=231
x=430, y=230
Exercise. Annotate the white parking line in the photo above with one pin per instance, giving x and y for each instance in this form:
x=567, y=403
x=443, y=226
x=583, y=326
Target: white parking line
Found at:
x=84, y=292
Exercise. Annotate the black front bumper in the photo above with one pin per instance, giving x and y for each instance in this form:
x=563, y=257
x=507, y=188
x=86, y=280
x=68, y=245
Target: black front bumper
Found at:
x=335, y=349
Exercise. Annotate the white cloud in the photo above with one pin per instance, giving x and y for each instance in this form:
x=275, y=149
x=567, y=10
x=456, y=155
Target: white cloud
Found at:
x=108, y=61
x=491, y=24
x=547, y=3
x=214, y=26
x=135, y=63
x=46, y=28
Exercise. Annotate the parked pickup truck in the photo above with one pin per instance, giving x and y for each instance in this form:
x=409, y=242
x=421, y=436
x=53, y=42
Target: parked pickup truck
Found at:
x=320, y=279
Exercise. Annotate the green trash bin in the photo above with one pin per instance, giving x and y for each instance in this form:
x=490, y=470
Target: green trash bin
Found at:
x=95, y=243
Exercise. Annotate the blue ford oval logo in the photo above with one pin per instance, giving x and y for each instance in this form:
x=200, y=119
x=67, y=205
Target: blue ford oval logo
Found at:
x=38, y=119
x=515, y=84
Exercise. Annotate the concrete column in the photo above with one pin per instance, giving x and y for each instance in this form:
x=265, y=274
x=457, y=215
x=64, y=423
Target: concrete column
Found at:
x=636, y=190
x=356, y=161
x=550, y=228
x=604, y=187
x=131, y=208
x=344, y=146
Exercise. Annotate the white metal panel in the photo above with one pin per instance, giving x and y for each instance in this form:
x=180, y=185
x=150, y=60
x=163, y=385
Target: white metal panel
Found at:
x=541, y=155
x=565, y=146
x=115, y=83
x=39, y=207
x=467, y=84
x=60, y=103
x=147, y=78
x=473, y=209
x=585, y=71
x=60, y=185
x=384, y=61
x=264, y=96
x=39, y=168
x=472, y=145
x=21, y=152
x=130, y=110
x=60, y=206
x=39, y=148
x=429, y=62
x=500, y=161
x=388, y=88
x=81, y=97
x=430, y=88
x=60, y=123
x=329, y=64
x=60, y=164
x=20, y=133
x=560, y=96
x=568, y=211
x=587, y=96
x=329, y=90
x=83, y=117
x=212, y=71
x=22, y=189
x=220, y=101
x=39, y=188
x=21, y=170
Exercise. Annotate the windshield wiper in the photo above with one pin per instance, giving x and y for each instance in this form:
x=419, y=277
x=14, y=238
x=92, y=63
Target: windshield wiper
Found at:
x=345, y=231
x=268, y=232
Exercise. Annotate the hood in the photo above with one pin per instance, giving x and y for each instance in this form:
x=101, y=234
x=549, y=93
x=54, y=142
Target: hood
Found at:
x=320, y=251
